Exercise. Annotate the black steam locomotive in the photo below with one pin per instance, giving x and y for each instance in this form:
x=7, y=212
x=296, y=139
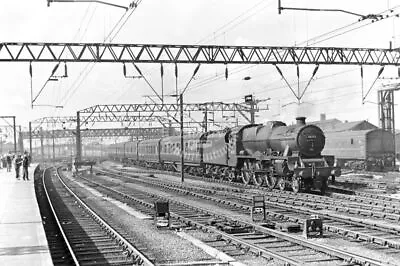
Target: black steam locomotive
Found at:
x=273, y=155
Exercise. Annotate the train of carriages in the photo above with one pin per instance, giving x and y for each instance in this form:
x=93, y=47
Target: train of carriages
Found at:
x=273, y=154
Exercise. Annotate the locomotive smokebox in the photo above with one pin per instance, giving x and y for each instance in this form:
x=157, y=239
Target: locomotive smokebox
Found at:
x=300, y=121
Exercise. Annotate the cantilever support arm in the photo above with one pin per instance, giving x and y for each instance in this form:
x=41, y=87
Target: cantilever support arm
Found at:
x=86, y=1
x=369, y=16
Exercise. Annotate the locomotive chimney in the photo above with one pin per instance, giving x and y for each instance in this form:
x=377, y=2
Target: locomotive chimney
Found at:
x=300, y=121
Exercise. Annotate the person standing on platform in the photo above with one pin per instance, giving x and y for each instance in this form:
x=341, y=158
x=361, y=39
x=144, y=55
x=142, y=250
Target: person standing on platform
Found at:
x=8, y=162
x=25, y=165
x=18, y=163
x=4, y=160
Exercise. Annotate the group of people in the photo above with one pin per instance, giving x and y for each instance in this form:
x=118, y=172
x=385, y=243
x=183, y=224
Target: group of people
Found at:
x=6, y=161
x=17, y=160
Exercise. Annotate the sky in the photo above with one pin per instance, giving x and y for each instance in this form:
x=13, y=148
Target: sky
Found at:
x=335, y=90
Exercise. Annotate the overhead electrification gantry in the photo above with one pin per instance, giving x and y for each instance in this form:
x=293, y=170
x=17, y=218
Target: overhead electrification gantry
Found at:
x=199, y=54
x=140, y=133
x=65, y=127
x=119, y=111
x=64, y=121
x=205, y=54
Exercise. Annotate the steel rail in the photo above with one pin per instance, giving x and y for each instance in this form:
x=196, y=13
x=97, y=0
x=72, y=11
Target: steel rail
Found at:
x=71, y=251
x=347, y=256
x=139, y=257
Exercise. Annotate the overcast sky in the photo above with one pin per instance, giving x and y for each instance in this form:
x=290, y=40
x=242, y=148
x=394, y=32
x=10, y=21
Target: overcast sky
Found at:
x=336, y=90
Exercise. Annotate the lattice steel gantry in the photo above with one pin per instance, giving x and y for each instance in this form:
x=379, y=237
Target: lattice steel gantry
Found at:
x=206, y=54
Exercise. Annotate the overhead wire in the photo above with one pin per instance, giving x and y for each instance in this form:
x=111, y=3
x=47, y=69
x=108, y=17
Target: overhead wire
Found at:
x=89, y=67
x=315, y=39
x=80, y=38
x=247, y=14
x=82, y=20
x=227, y=26
x=236, y=21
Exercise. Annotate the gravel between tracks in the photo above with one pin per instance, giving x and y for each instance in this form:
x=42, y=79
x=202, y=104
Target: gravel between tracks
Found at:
x=165, y=244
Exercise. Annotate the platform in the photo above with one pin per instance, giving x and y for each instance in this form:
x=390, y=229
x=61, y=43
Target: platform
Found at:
x=22, y=237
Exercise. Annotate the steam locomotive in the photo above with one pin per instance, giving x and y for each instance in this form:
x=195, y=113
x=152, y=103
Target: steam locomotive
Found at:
x=273, y=155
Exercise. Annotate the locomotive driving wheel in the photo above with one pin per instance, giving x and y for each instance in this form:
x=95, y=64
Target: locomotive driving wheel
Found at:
x=270, y=180
x=230, y=175
x=282, y=184
x=258, y=179
x=296, y=185
x=245, y=174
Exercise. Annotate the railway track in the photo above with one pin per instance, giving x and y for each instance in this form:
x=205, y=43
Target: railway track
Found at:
x=365, y=197
x=59, y=251
x=259, y=239
x=279, y=212
x=88, y=238
x=361, y=204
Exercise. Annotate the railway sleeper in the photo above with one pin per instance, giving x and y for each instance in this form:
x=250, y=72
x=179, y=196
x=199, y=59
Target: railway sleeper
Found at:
x=256, y=226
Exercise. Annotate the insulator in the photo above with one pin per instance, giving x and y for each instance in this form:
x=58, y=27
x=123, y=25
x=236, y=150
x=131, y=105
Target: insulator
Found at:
x=124, y=69
x=176, y=70
x=226, y=72
x=279, y=70
x=55, y=69
x=315, y=70
x=162, y=70
x=381, y=70
x=298, y=71
x=138, y=70
x=197, y=69
x=30, y=68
